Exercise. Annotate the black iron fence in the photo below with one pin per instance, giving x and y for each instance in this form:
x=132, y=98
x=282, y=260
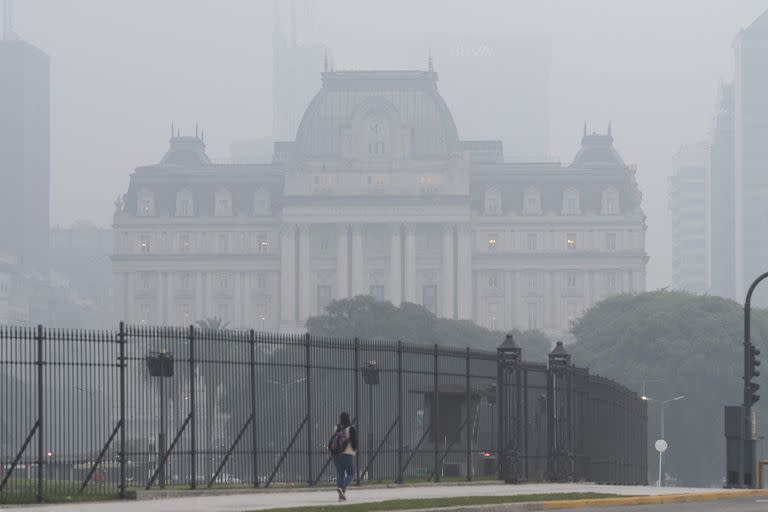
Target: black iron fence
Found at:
x=103, y=412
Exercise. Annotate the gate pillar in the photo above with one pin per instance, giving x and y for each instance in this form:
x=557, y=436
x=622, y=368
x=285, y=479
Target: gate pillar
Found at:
x=509, y=389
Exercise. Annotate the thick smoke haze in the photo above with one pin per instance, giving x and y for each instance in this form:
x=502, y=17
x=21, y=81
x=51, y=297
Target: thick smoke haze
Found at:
x=121, y=71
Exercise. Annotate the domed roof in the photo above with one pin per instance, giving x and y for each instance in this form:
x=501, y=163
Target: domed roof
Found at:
x=407, y=99
x=186, y=150
x=597, y=149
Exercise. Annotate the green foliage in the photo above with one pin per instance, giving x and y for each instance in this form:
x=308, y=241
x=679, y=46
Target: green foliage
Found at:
x=678, y=344
x=367, y=318
x=212, y=324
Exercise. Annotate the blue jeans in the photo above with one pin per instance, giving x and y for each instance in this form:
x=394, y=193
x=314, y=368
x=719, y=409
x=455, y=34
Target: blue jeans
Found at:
x=345, y=470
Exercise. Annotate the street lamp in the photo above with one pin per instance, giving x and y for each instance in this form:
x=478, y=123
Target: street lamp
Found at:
x=661, y=403
x=371, y=378
x=160, y=364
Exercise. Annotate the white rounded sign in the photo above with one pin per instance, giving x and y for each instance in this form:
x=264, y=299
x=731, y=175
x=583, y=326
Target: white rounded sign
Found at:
x=661, y=446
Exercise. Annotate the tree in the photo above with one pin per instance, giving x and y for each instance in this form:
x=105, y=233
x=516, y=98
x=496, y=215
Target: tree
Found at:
x=675, y=344
x=367, y=318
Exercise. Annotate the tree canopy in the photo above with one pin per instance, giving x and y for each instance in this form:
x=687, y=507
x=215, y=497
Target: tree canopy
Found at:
x=367, y=318
x=674, y=344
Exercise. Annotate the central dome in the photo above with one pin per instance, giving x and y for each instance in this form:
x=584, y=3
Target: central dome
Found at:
x=387, y=113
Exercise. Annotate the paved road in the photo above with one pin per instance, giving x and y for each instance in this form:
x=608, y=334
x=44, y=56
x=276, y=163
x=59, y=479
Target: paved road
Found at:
x=740, y=505
x=265, y=500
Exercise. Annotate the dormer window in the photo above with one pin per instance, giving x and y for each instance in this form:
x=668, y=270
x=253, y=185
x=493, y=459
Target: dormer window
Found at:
x=492, y=202
x=532, y=202
x=571, y=204
x=610, y=202
x=146, y=204
x=223, y=206
x=184, y=205
x=262, y=205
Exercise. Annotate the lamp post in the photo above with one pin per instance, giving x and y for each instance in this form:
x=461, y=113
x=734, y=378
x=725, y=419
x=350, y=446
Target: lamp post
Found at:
x=662, y=404
x=160, y=364
x=371, y=377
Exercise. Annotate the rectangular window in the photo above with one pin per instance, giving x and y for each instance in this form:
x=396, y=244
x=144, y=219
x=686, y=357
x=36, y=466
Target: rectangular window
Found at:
x=323, y=298
x=533, y=315
x=429, y=293
x=493, y=241
x=185, y=244
x=146, y=280
x=610, y=241
x=532, y=241
x=145, y=243
x=145, y=313
x=185, y=314
x=324, y=245
x=261, y=280
x=377, y=291
x=185, y=280
x=223, y=312
x=532, y=283
x=223, y=243
x=571, y=311
x=146, y=207
x=262, y=244
x=493, y=311
x=570, y=206
x=185, y=208
x=571, y=280
x=224, y=280
x=570, y=240
x=612, y=282
x=493, y=281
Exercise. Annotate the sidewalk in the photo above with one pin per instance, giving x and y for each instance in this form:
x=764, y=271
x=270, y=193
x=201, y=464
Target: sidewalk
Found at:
x=264, y=500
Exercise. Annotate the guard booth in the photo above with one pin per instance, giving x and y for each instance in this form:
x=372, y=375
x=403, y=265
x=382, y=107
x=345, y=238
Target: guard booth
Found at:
x=458, y=435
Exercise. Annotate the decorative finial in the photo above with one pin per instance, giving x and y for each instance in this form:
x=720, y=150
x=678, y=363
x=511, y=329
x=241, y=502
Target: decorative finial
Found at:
x=609, y=128
x=202, y=136
x=195, y=129
x=325, y=64
x=178, y=132
x=172, y=129
x=585, y=128
x=430, y=61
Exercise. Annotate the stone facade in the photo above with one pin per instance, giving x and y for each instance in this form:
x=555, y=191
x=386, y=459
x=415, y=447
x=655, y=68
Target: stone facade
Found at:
x=378, y=195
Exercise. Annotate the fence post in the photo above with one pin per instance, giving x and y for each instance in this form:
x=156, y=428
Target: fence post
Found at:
x=309, y=410
x=436, y=413
x=356, y=387
x=193, y=422
x=501, y=415
x=399, y=411
x=40, y=408
x=121, y=358
x=254, y=432
x=469, y=418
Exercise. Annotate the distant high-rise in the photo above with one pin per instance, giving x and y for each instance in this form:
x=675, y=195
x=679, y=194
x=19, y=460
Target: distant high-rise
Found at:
x=24, y=151
x=751, y=156
x=688, y=204
x=721, y=199
x=497, y=87
x=296, y=68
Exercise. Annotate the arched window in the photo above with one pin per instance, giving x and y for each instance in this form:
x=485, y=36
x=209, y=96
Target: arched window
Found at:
x=223, y=207
x=145, y=206
x=378, y=137
x=493, y=205
x=571, y=204
x=262, y=204
x=185, y=206
x=610, y=202
x=532, y=202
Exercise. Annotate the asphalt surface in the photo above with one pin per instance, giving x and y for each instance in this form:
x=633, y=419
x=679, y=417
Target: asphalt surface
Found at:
x=740, y=505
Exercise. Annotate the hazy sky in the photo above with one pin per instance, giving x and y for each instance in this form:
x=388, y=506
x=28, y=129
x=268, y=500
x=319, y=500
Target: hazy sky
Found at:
x=122, y=70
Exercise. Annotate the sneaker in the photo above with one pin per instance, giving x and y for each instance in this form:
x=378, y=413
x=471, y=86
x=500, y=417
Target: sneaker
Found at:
x=341, y=494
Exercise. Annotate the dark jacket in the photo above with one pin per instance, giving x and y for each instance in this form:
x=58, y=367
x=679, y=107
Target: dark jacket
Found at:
x=352, y=435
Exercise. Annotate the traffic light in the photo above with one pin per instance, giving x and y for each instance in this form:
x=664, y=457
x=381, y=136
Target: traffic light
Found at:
x=754, y=371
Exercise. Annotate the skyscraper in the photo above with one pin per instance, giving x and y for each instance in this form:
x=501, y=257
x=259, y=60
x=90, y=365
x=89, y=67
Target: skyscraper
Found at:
x=751, y=156
x=688, y=204
x=24, y=151
x=296, y=68
x=721, y=198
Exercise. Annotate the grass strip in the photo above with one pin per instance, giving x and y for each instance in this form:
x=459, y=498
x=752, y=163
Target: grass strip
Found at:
x=417, y=504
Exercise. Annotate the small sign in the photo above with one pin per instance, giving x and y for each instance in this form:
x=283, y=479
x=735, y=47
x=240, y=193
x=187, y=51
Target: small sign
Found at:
x=661, y=446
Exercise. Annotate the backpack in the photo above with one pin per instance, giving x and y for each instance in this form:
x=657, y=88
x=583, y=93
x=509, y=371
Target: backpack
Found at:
x=339, y=441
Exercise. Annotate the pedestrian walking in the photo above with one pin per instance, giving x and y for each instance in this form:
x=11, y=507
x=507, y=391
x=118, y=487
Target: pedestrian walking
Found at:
x=343, y=447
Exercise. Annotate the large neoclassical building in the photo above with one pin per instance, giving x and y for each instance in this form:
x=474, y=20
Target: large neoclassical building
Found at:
x=378, y=195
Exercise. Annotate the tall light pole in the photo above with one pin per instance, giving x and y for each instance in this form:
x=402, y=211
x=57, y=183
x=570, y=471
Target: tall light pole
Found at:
x=661, y=403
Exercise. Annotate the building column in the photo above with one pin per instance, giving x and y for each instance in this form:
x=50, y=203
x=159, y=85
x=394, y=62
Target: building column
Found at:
x=305, y=275
x=164, y=300
x=288, y=275
x=588, y=292
x=464, y=289
x=358, y=261
x=395, y=267
x=127, y=298
x=446, y=285
x=342, y=261
x=508, y=301
x=199, y=293
x=410, y=263
x=237, y=307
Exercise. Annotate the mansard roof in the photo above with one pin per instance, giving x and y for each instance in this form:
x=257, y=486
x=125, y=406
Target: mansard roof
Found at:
x=409, y=99
x=597, y=150
x=188, y=151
